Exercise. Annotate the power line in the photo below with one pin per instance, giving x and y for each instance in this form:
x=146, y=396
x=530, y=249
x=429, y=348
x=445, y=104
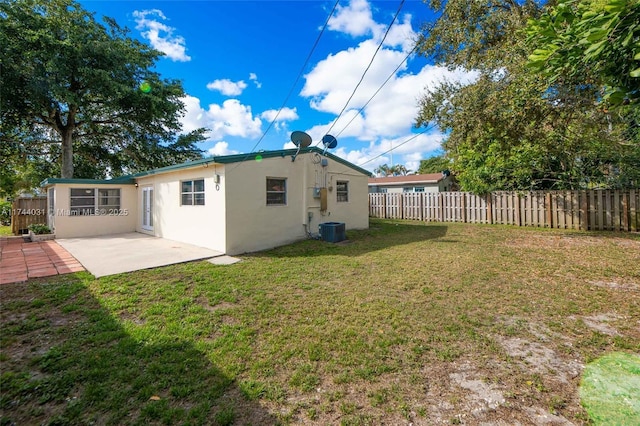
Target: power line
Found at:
x=368, y=66
x=295, y=83
x=396, y=147
x=377, y=91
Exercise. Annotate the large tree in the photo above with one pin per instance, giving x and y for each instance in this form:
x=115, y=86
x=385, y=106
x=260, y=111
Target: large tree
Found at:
x=84, y=93
x=507, y=130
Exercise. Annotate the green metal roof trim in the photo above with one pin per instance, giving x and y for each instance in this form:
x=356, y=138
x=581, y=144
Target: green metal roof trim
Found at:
x=124, y=180
x=238, y=158
x=225, y=159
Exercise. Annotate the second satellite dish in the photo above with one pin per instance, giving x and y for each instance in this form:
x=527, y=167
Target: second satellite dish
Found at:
x=301, y=140
x=329, y=142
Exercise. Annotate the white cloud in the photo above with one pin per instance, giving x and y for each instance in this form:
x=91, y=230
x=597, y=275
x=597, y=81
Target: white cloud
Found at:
x=229, y=119
x=286, y=114
x=355, y=19
x=227, y=87
x=160, y=35
x=221, y=148
x=253, y=77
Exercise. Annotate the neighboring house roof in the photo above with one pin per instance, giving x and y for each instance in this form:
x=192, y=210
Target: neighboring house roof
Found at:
x=429, y=178
x=224, y=159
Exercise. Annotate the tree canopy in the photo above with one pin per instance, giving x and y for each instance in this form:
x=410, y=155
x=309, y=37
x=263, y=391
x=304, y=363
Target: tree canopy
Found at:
x=509, y=130
x=436, y=164
x=84, y=95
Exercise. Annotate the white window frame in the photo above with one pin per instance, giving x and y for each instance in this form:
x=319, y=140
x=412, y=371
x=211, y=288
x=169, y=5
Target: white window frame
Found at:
x=196, y=197
x=342, y=193
x=102, y=203
x=272, y=191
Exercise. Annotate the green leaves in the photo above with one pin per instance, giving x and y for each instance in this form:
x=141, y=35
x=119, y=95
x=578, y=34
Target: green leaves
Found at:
x=589, y=38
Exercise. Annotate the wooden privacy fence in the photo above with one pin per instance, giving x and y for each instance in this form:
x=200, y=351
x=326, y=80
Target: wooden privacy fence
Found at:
x=26, y=211
x=612, y=210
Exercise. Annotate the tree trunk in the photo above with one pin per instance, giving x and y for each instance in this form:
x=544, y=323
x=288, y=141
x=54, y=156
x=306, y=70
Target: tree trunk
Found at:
x=66, y=159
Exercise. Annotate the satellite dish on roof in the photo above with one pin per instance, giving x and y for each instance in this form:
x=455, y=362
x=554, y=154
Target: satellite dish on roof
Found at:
x=329, y=142
x=301, y=140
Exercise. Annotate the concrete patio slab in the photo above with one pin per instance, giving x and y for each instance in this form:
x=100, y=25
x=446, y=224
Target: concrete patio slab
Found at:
x=115, y=254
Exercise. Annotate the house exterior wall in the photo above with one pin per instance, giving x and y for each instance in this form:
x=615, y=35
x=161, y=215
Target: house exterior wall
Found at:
x=202, y=226
x=235, y=217
x=253, y=225
x=68, y=226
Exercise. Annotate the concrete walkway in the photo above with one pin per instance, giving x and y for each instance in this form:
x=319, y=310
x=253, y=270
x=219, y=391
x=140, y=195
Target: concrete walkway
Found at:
x=20, y=260
x=115, y=254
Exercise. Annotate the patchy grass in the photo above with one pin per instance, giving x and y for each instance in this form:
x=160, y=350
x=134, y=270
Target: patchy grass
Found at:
x=5, y=231
x=406, y=322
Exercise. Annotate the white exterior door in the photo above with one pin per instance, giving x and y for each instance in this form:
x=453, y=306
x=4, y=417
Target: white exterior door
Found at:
x=51, y=208
x=147, y=208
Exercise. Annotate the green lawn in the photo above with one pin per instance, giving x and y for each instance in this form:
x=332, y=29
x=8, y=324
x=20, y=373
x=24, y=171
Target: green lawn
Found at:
x=406, y=322
x=5, y=230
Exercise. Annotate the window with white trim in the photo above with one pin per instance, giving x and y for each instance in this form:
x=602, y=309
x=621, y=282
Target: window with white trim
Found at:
x=342, y=191
x=192, y=192
x=418, y=189
x=276, y=191
x=91, y=201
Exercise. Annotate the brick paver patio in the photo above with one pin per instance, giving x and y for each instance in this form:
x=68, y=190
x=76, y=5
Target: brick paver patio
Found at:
x=20, y=260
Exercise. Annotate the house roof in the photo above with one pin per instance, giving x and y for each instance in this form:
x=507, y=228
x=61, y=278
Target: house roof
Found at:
x=123, y=180
x=406, y=180
x=238, y=158
x=224, y=159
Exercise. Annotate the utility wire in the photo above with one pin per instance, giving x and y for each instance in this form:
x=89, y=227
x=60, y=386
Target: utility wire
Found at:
x=368, y=66
x=377, y=91
x=396, y=147
x=295, y=83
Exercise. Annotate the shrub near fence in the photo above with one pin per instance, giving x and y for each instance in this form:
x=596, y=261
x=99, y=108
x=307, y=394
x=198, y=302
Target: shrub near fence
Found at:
x=612, y=210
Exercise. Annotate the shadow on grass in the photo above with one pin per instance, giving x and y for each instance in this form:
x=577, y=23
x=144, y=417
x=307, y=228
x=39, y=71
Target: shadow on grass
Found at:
x=381, y=234
x=67, y=361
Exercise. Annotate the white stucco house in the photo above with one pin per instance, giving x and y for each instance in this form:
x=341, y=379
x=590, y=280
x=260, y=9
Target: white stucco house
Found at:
x=233, y=204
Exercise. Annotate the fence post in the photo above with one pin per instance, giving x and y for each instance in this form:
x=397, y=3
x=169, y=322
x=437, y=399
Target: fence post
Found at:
x=584, y=214
x=489, y=208
x=625, y=212
x=548, y=209
x=440, y=207
x=463, y=216
x=384, y=205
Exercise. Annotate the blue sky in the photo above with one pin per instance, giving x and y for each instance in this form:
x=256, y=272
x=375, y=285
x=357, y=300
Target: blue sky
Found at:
x=238, y=61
